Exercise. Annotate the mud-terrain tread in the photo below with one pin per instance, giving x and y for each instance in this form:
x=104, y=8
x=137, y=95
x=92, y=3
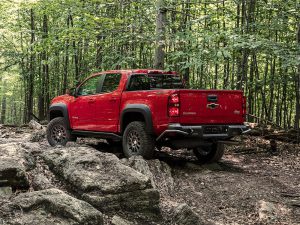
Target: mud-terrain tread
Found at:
x=59, y=120
x=148, y=142
x=216, y=153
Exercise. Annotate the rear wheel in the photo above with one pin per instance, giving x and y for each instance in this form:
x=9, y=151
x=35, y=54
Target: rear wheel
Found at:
x=58, y=133
x=138, y=141
x=209, y=154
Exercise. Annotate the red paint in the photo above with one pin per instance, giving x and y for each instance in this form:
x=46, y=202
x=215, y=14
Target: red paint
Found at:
x=101, y=112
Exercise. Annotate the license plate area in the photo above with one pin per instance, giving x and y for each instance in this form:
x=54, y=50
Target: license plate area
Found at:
x=215, y=129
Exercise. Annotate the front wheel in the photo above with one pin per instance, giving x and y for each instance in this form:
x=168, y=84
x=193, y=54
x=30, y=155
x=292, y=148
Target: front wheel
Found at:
x=138, y=141
x=209, y=154
x=58, y=133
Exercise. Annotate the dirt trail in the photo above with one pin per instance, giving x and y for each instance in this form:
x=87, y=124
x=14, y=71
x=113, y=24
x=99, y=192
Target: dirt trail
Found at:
x=249, y=185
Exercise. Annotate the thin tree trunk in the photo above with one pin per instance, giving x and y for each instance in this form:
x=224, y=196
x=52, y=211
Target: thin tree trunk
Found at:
x=297, y=80
x=159, y=58
x=3, y=103
x=44, y=95
x=29, y=104
x=66, y=66
x=75, y=53
x=271, y=100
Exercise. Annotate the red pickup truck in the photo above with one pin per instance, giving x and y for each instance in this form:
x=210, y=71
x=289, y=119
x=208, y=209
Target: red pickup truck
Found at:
x=144, y=109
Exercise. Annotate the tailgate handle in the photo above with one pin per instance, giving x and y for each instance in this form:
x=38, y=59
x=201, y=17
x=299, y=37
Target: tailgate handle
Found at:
x=212, y=98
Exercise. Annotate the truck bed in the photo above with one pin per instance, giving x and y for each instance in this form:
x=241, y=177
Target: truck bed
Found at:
x=211, y=107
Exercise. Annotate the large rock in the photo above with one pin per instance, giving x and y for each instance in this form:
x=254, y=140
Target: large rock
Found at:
x=102, y=180
x=41, y=182
x=116, y=220
x=163, y=178
x=157, y=171
x=35, y=125
x=5, y=192
x=13, y=166
x=51, y=206
x=139, y=164
x=184, y=215
x=38, y=135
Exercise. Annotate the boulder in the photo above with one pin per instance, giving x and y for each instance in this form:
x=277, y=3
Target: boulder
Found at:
x=139, y=164
x=38, y=135
x=13, y=166
x=35, y=125
x=52, y=206
x=184, y=215
x=157, y=171
x=162, y=174
x=116, y=220
x=13, y=174
x=5, y=192
x=41, y=182
x=102, y=180
x=33, y=148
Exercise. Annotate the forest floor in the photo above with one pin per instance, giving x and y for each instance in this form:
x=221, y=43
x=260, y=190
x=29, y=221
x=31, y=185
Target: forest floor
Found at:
x=249, y=185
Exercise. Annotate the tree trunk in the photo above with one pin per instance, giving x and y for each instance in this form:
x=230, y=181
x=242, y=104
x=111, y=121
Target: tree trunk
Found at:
x=297, y=116
x=75, y=53
x=159, y=58
x=31, y=69
x=3, y=103
x=44, y=95
x=66, y=67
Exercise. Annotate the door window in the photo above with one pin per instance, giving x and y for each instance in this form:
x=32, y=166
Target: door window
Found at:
x=90, y=87
x=111, y=83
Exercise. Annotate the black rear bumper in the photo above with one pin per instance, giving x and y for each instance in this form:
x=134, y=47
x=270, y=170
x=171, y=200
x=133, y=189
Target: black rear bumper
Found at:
x=204, y=131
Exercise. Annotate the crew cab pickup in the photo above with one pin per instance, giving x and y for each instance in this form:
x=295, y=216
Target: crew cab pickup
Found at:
x=144, y=109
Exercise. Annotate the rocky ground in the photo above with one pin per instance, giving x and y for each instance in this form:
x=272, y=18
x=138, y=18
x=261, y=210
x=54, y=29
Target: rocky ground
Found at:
x=89, y=182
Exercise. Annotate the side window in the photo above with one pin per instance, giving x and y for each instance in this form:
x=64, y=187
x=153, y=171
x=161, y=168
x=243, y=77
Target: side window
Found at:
x=139, y=82
x=90, y=87
x=111, y=83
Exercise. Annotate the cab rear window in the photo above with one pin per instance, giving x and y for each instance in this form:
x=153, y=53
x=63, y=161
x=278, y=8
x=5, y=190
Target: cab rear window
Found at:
x=152, y=82
x=165, y=82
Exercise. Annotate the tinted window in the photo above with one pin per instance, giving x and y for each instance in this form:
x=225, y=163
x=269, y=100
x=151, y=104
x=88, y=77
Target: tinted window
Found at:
x=90, y=87
x=166, y=82
x=111, y=82
x=138, y=82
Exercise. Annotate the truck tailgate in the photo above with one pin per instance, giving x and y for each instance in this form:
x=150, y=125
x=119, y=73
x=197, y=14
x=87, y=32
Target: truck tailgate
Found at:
x=211, y=107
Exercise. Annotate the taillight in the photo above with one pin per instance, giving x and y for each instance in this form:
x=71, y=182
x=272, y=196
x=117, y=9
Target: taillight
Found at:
x=174, y=99
x=174, y=105
x=244, y=106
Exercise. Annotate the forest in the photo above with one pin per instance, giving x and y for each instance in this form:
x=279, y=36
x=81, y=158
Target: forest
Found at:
x=47, y=46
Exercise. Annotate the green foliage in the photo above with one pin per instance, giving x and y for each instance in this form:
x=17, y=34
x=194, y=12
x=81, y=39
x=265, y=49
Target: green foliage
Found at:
x=216, y=44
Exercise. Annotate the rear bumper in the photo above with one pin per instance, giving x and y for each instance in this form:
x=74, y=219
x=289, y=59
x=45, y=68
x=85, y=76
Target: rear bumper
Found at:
x=204, y=131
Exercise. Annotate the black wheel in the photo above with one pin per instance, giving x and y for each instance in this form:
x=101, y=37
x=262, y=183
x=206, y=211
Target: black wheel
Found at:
x=209, y=154
x=137, y=141
x=58, y=133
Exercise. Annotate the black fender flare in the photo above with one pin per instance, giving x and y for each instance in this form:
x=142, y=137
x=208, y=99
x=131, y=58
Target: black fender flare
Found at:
x=61, y=107
x=138, y=108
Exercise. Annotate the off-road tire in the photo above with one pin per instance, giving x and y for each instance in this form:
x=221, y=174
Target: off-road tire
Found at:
x=145, y=143
x=214, y=153
x=56, y=127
